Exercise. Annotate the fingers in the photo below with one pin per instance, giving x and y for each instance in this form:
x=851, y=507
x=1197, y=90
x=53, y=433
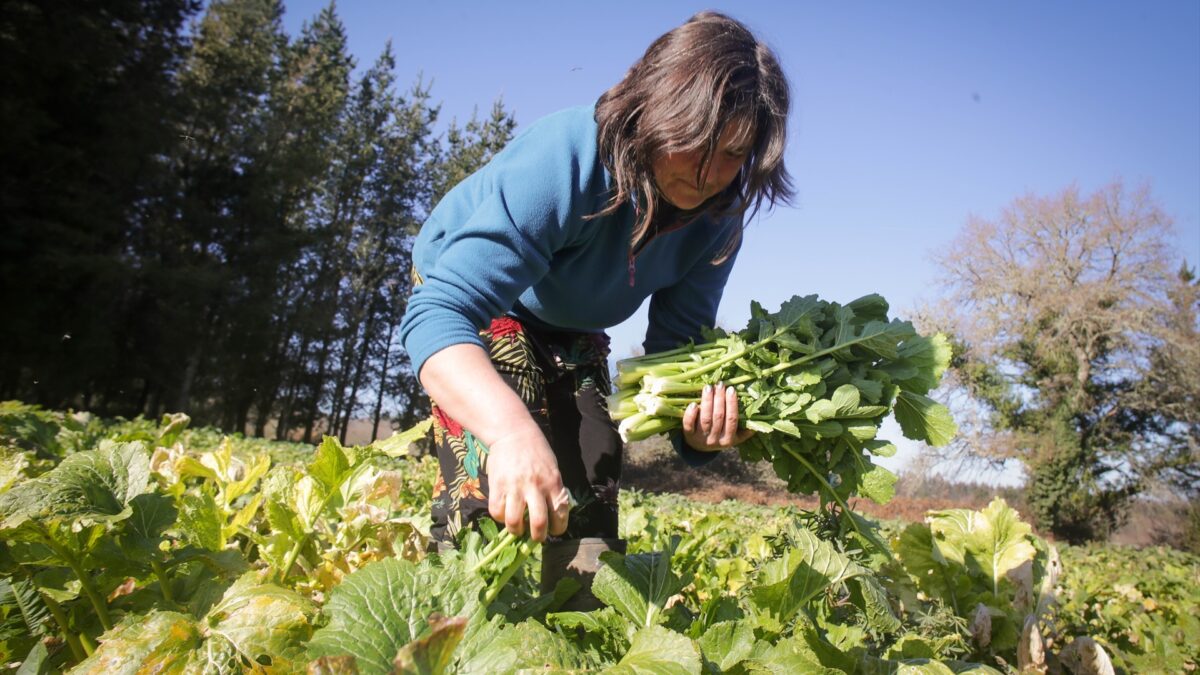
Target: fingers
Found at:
x=497, y=500
x=537, y=515
x=560, y=509
x=691, y=418
x=514, y=513
x=706, y=410
x=712, y=424
x=717, y=428
x=730, y=433
x=546, y=514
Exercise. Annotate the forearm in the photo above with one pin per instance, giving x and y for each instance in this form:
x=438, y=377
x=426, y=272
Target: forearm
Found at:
x=465, y=385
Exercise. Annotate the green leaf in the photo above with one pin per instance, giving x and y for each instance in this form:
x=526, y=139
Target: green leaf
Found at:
x=875, y=604
x=12, y=468
x=199, y=521
x=333, y=665
x=786, y=427
x=156, y=642
x=331, y=465
x=655, y=650
x=308, y=500
x=152, y=515
x=930, y=570
x=37, y=662
x=385, y=605
x=727, y=644
x=524, y=647
x=923, y=419
x=760, y=427
x=921, y=667
x=31, y=613
x=843, y=403
x=788, y=657
x=785, y=586
x=638, y=586
x=880, y=339
x=605, y=631
x=861, y=430
x=263, y=623
x=796, y=314
x=171, y=426
x=432, y=654
x=877, y=483
x=278, y=503
x=86, y=488
x=869, y=308
x=210, y=576
x=921, y=363
x=880, y=448
x=994, y=542
x=824, y=430
x=802, y=379
x=912, y=646
x=400, y=444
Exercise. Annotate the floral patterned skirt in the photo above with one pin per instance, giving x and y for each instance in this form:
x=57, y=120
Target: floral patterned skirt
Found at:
x=563, y=379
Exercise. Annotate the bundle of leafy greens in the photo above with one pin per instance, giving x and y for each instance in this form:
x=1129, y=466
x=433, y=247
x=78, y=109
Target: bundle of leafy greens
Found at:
x=815, y=380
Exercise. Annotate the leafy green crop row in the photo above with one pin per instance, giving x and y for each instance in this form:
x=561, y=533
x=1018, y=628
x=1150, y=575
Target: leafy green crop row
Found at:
x=148, y=554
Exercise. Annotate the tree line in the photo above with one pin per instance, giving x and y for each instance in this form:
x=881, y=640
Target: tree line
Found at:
x=204, y=214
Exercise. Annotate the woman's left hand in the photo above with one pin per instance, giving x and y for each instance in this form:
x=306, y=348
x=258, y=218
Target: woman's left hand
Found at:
x=713, y=425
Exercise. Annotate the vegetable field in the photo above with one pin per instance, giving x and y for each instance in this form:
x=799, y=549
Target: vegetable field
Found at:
x=150, y=547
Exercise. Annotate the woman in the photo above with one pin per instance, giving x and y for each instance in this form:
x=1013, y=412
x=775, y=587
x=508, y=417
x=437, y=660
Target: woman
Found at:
x=564, y=233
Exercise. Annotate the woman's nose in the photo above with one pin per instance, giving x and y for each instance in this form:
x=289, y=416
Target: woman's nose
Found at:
x=721, y=173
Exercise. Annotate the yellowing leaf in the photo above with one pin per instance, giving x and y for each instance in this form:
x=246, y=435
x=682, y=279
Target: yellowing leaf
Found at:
x=993, y=541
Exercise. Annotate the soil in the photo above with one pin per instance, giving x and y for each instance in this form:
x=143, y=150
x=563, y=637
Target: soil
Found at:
x=651, y=466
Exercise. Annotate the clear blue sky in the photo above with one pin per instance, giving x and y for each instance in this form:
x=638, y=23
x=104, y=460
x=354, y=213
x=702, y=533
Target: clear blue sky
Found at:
x=907, y=116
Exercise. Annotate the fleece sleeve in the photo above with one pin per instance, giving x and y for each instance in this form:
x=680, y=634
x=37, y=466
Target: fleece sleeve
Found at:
x=676, y=316
x=512, y=216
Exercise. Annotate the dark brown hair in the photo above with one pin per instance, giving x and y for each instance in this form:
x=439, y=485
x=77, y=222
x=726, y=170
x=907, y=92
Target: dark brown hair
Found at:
x=690, y=84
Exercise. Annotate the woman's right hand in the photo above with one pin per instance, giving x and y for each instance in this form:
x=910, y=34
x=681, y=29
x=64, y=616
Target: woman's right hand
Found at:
x=523, y=474
x=521, y=468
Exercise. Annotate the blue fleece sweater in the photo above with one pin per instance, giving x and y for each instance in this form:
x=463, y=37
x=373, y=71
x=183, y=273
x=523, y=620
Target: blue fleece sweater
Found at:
x=513, y=239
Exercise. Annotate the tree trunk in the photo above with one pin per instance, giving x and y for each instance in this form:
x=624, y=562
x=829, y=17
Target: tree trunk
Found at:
x=359, y=370
x=387, y=353
x=311, y=419
x=183, y=397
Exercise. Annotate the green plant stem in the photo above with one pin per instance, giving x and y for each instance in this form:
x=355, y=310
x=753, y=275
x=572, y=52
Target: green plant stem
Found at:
x=164, y=581
x=494, y=549
x=85, y=581
x=729, y=357
x=523, y=552
x=813, y=471
x=299, y=545
x=689, y=387
x=292, y=554
x=88, y=645
x=60, y=617
x=639, y=426
x=660, y=358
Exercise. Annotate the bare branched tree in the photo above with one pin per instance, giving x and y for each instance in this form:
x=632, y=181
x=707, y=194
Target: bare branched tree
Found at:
x=1065, y=314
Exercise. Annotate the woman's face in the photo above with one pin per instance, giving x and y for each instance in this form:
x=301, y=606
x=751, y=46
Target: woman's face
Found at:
x=675, y=172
